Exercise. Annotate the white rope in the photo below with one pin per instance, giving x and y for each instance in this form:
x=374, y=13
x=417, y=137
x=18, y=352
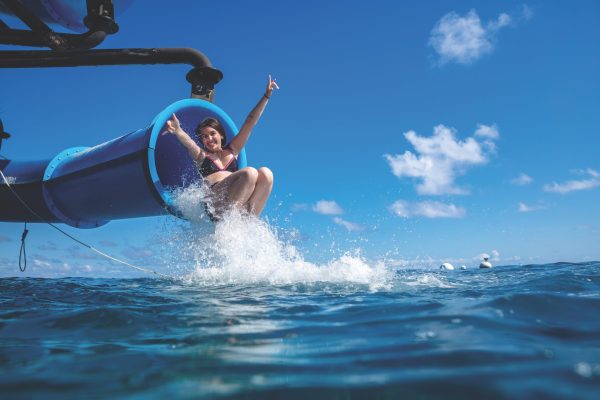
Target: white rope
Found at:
x=147, y=270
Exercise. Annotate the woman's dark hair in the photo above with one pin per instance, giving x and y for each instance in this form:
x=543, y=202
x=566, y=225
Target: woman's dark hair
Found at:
x=216, y=125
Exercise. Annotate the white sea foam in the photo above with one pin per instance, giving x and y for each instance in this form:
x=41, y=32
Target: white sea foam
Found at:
x=428, y=280
x=241, y=249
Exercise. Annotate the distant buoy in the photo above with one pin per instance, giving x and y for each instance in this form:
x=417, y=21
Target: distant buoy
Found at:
x=463, y=267
x=485, y=263
x=447, y=266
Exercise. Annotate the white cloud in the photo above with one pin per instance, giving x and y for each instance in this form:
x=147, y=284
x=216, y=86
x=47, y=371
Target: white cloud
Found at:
x=350, y=226
x=522, y=180
x=502, y=21
x=428, y=209
x=327, y=207
x=441, y=158
x=488, y=132
x=401, y=208
x=330, y=207
x=589, y=171
x=525, y=208
x=463, y=39
x=574, y=185
x=41, y=263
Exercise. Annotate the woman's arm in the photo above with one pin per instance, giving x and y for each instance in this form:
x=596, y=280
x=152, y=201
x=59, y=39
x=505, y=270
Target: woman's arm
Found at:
x=239, y=141
x=174, y=127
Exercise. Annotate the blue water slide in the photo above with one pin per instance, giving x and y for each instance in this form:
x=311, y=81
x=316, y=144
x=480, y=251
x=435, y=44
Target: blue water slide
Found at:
x=127, y=177
x=66, y=13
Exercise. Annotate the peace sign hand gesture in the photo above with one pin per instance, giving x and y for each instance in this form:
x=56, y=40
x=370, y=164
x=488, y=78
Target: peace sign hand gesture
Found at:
x=271, y=84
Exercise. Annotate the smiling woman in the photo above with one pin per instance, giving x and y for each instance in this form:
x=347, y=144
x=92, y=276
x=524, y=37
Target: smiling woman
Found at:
x=217, y=162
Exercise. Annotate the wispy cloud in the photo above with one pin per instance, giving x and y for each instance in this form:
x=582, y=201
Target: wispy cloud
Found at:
x=52, y=266
x=108, y=243
x=464, y=39
x=50, y=260
x=522, y=180
x=441, y=158
x=525, y=12
x=327, y=207
x=299, y=207
x=591, y=182
x=330, y=207
x=48, y=246
x=428, y=209
x=350, y=226
x=4, y=238
x=41, y=263
x=487, y=132
x=525, y=208
x=589, y=228
x=136, y=253
x=76, y=252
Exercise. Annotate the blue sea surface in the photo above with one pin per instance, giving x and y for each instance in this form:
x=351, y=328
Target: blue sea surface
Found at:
x=512, y=332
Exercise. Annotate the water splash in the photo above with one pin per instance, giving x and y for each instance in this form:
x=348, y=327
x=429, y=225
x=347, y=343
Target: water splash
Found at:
x=428, y=280
x=241, y=249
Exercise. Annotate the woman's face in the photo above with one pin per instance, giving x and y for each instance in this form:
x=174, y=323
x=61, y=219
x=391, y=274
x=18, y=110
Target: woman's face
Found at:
x=211, y=139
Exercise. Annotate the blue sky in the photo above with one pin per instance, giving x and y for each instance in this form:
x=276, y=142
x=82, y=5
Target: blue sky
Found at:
x=419, y=132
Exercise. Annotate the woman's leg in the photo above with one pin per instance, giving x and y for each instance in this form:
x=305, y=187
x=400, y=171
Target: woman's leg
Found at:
x=264, y=183
x=235, y=189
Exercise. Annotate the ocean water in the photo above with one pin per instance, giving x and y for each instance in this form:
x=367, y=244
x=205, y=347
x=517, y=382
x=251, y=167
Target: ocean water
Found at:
x=245, y=316
x=529, y=331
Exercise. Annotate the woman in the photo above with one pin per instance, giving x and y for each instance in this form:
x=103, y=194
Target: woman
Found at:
x=246, y=188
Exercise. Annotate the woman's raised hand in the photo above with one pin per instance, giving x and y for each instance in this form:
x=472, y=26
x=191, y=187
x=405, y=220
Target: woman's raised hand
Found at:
x=173, y=124
x=271, y=84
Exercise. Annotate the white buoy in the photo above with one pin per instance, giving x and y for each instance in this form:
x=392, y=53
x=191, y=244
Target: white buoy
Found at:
x=485, y=263
x=447, y=266
x=463, y=267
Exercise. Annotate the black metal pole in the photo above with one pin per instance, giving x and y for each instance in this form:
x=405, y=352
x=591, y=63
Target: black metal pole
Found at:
x=203, y=77
x=76, y=58
x=84, y=41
